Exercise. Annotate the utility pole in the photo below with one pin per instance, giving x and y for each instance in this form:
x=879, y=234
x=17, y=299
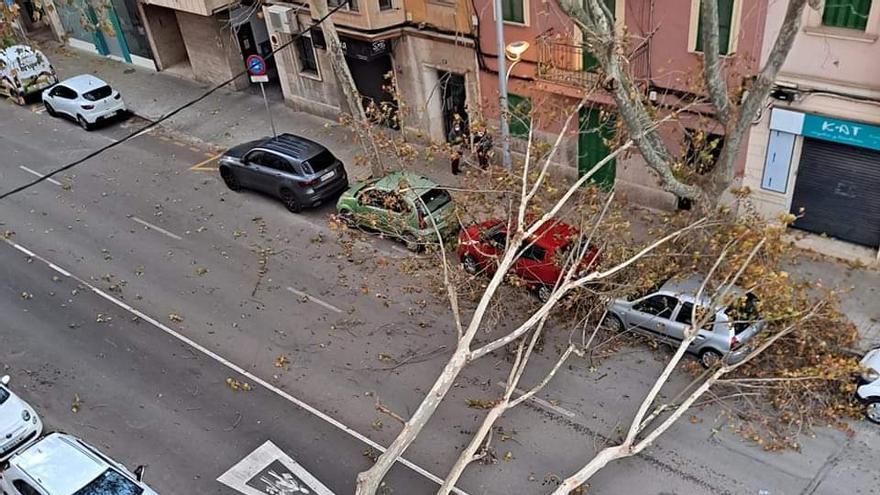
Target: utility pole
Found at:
x=502, y=85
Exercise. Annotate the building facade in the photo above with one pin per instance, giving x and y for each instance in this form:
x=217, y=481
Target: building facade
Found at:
x=664, y=53
x=815, y=152
x=113, y=28
x=424, y=45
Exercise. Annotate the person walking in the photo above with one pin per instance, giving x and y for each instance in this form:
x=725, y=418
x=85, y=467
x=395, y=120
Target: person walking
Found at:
x=457, y=137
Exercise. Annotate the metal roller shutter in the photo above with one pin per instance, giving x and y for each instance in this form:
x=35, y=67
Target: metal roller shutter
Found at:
x=839, y=188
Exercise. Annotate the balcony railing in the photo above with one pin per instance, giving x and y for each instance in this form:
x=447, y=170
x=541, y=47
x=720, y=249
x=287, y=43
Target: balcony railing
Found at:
x=563, y=62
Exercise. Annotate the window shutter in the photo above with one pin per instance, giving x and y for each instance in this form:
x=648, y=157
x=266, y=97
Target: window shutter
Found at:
x=512, y=10
x=725, y=22
x=850, y=14
x=519, y=111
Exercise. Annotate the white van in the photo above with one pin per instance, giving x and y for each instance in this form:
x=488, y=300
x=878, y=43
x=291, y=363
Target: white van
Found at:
x=24, y=71
x=60, y=464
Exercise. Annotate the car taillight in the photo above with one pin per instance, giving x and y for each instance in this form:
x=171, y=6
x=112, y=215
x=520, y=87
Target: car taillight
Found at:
x=733, y=342
x=88, y=107
x=305, y=183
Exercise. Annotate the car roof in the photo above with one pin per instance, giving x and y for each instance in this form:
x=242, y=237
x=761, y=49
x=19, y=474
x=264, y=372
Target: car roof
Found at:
x=553, y=234
x=59, y=464
x=83, y=83
x=15, y=50
x=689, y=286
x=292, y=145
x=414, y=183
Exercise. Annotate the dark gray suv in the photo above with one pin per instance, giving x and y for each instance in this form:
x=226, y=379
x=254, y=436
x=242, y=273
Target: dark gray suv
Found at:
x=299, y=171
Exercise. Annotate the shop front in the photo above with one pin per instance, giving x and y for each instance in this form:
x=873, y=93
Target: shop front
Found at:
x=113, y=29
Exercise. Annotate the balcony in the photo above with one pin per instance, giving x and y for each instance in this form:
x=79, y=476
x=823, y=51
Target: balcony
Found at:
x=199, y=7
x=564, y=62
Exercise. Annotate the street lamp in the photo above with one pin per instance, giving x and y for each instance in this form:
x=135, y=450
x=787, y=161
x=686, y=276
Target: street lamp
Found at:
x=513, y=52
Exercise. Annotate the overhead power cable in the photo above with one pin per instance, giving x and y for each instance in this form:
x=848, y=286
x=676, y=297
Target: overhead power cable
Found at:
x=170, y=114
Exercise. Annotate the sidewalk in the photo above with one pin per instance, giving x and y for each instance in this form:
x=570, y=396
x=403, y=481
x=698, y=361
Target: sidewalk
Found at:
x=227, y=118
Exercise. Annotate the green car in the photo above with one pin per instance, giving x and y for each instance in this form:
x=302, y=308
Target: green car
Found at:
x=401, y=205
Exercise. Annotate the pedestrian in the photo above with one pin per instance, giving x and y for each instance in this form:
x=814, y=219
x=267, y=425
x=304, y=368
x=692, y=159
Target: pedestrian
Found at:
x=456, y=140
x=483, y=142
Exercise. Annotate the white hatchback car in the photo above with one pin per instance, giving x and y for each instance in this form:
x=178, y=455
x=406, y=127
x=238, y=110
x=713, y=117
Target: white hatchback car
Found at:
x=61, y=464
x=85, y=99
x=19, y=424
x=869, y=385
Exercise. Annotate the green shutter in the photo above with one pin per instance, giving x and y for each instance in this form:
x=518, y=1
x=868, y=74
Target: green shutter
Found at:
x=595, y=131
x=589, y=61
x=850, y=14
x=513, y=11
x=520, y=110
x=725, y=22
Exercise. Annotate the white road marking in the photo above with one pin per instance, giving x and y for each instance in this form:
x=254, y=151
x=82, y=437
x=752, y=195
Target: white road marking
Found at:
x=59, y=269
x=145, y=131
x=268, y=470
x=314, y=299
x=541, y=402
x=157, y=229
x=53, y=181
x=238, y=369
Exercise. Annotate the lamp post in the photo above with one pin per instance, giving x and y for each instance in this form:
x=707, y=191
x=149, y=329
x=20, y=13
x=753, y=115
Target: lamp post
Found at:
x=513, y=52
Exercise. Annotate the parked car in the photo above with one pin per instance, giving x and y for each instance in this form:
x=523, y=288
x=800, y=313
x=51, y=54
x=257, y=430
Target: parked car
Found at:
x=666, y=313
x=19, y=423
x=24, y=71
x=541, y=263
x=61, y=464
x=400, y=205
x=84, y=99
x=868, y=390
x=300, y=172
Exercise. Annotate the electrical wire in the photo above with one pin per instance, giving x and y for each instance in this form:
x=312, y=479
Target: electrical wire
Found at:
x=170, y=114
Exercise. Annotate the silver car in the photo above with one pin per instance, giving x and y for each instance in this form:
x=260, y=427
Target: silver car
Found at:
x=19, y=424
x=666, y=314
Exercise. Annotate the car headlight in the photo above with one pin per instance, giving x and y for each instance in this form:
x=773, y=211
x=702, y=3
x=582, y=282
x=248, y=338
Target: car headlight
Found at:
x=25, y=415
x=870, y=374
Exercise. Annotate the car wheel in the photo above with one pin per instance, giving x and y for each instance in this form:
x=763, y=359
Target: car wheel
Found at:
x=411, y=242
x=83, y=123
x=347, y=217
x=709, y=358
x=290, y=201
x=230, y=179
x=470, y=265
x=543, y=292
x=872, y=410
x=613, y=322
x=50, y=110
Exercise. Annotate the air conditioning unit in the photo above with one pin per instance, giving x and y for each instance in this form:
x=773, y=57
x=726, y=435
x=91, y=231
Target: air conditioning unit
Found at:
x=279, y=19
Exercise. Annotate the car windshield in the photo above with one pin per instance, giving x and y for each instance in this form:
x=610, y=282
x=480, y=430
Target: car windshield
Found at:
x=321, y=161
x=435, y=199
x=110, y=482
x=4, y=394
x=98, y=94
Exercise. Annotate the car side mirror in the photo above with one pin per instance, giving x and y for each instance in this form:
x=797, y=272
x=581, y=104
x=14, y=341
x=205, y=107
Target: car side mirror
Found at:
x=139, y=472
x=5, y=380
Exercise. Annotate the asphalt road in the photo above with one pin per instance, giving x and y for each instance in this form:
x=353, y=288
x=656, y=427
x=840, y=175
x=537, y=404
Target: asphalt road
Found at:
x=173, y=245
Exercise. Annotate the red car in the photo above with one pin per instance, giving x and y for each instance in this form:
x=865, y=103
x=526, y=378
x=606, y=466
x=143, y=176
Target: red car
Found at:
x=541, y=261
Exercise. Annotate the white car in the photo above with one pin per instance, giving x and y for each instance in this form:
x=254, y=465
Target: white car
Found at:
x=84, y=99
x=61, y=464
x=19, y=424
x=869, y=385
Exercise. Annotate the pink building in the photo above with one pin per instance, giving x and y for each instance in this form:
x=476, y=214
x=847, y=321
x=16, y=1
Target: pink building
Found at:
x=556, y=72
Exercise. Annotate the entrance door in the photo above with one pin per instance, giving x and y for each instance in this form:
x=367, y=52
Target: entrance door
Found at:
x=115, y=42
x=838, y=187
x=594, y=131
x=453, y=99
x=369, y=77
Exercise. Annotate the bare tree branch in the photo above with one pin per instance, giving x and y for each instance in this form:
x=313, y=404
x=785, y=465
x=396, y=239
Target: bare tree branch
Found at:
x=716, y=84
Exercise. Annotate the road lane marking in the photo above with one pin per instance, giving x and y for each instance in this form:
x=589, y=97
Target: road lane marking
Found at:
x=314, y=299
x=269, y=471
x=53, y=181
x=541, y=402
x=204, y=165
x=238, y=369
x=157, y=229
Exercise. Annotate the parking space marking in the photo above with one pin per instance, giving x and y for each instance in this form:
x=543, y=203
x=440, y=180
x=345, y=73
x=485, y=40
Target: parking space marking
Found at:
x=269, y=471
x=53, y=181
x=238, y=369
x=209, y=165
x=38, y=108
x=314, y=300
x=157, y=229
x=541, y=402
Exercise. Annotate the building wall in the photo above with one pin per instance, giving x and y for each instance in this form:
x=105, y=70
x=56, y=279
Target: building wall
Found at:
x=164, y=35
x=448, y=16
x=369, y=17
x=212, y=51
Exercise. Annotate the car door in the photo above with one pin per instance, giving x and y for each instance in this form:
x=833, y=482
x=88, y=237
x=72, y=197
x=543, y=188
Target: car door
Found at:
x=491, y=247
x=248, y=174
x=398, y=213
x=277, y=172
x=265, y=172
x=653, y=315
x=371, y=211
x=62, y=99
x=532, y=263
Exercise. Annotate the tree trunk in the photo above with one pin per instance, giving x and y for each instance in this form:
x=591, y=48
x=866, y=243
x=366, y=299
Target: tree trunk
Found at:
x=600, y=461
x=467, y=456
x=362, y=125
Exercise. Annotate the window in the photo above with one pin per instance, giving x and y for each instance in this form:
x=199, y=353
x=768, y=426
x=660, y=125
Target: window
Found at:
x=498, y=240
x=435, y=199
x=98, y=94
x=386, y=5
x=24, y=488
x=277, y=163
x=352, y=4
x=535, y=253
x=725, y=23
x=589, y=61
x=686, y=311
x=257, y=157
x=4, y=394
x=514, y=11
x=659, y=305
x=110, y=482
x=520, y=109
x=850, y=14
x=308, y=63
x=321, y=161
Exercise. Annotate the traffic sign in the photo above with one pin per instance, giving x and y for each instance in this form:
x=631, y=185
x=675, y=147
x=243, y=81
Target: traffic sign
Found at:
x=256, y=65
x=260, y=79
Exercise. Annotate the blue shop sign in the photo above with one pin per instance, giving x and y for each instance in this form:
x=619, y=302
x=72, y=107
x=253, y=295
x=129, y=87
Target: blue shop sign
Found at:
x=842, y=131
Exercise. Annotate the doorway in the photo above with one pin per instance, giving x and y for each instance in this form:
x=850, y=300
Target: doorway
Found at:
x=594, y=131
x=453, y=100
x=371, y=81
